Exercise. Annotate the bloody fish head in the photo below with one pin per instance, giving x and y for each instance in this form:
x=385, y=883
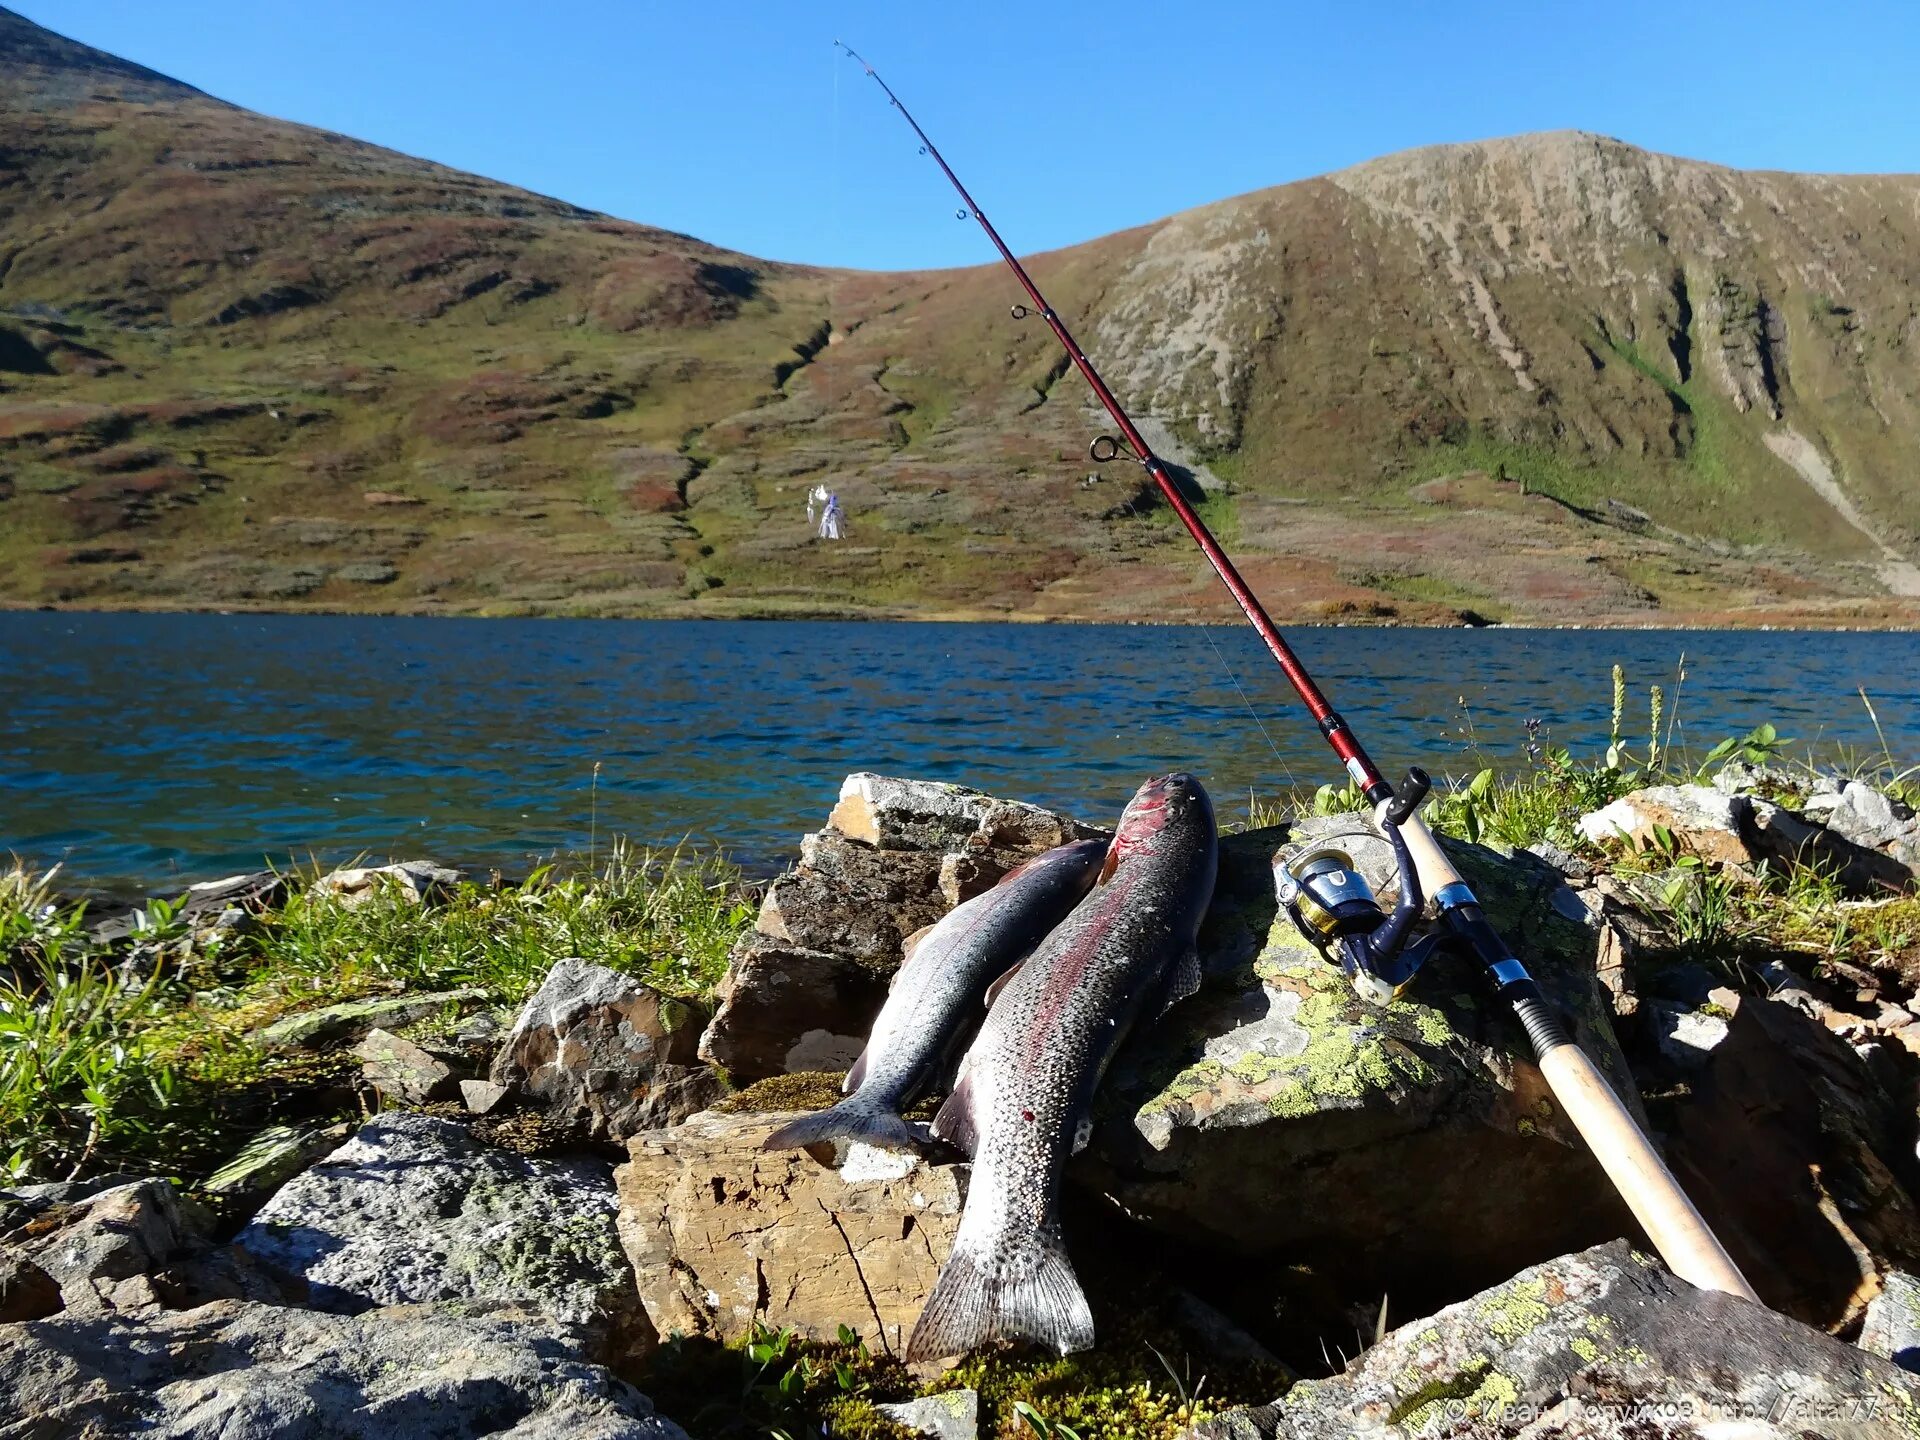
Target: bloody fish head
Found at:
x=1161, y=803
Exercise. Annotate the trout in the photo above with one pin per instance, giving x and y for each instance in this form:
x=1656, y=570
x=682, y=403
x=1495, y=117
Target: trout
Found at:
x=1024, y=1098
x=938, y=991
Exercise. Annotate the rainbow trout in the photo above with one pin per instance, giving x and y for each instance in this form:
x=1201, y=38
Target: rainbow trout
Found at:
x=937, y=992
x=1024, y=1098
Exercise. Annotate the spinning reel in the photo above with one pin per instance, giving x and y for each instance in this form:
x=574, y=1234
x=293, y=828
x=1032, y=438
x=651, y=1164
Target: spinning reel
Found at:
x=1335, y=908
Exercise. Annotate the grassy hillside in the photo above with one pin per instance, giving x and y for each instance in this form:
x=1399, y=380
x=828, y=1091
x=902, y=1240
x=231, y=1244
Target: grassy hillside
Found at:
x=247, y=363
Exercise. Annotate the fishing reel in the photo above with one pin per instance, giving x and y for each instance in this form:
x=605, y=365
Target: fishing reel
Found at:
x=1335, y=908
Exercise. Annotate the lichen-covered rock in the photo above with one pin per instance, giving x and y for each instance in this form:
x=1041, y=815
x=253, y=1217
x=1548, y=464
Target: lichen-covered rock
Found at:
x=950, y=1415
x=722, y=1233
x=104, y=1250
x=598, y=1047
x=415, y=1209
x=273, y=1157
x=894, y=814
x=1276, y=1112
x=415, y=881
x=1794, y=1152
x=1892, y=1327
x=401, y=1070
x=782, y=1008
x=353, y=1019
x=1602, y=1345
x=266, y=1372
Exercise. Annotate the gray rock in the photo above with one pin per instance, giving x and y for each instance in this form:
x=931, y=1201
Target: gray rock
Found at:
x=353, y=1019
x=782, y=1009
x=1892, y=1328
x=104, y=1251
x=1684, y=1036
x=895, y=814
x=1379, y=1124
x=401, y=1070
x=416, y=881
x=596, y=1046
x=273, y=1157
x=1602, y=1345
x=26, y=1291
x=414, y=1209
x=1703, y=820
x=482, y=1097
x=243, y=1371
x=951, y=1415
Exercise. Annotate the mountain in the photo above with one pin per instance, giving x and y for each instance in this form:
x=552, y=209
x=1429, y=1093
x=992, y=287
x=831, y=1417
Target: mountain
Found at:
x=248, y=363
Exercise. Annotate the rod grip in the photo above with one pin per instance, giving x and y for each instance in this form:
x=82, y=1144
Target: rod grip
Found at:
x=1640, y=1175
x=1429, y=860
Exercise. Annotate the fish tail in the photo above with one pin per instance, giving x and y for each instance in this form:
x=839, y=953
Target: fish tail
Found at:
x=1017, y=1287
x=851, y=1119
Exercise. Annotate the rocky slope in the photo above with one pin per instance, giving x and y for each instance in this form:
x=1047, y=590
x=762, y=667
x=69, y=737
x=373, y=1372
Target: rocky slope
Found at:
x=243, y=362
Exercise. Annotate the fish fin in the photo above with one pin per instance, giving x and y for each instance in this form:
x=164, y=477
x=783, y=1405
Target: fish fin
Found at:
x=856, y=1074
x=1108, y=865
x=1020, y=1288
x=1183, y=979
x=1083, y=1134
x=993, y=990
x=850, y=1120
x=955, y=1122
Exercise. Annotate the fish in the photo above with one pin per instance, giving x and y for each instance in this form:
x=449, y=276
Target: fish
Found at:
x=938, y=992
x=1023, y=1102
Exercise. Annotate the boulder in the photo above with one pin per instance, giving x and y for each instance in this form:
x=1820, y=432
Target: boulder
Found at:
x=400, y=1070
x=26, y=1291
x=1704, y=821
x=104, y=1250
x=803, y=987
x=415, y=881
x=781, y=1009
x=1603, y=1345
x=482, y=1097
x=1892, y=1326
x=722, y=1233
x=950, y=1415
x=1276, y=1114
x=414, y=1209
x=600, y=1048
x=250, y=1372
x=353, y=1019
x=1795, y=1155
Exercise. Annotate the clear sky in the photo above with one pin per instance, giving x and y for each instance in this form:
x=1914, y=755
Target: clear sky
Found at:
x=737, y=123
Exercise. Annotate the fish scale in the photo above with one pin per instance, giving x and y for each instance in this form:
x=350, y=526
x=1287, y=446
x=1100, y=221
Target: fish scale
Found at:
x=1026, y=1085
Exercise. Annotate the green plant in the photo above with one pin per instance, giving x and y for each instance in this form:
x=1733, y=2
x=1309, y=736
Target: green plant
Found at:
x=1041, y=1426
x=1759, y=746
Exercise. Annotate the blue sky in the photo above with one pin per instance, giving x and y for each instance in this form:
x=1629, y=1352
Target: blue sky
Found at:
x=734, y=122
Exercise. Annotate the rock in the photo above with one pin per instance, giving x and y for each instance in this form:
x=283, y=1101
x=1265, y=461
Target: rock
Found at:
x=1684, y=1036
x=1782, y=836
x=414, y=1209
x=599, y=1047
x=1702, y=820
x=1380, y=1126
x=416, y=881
x=26, y=1291
x=781, y=1009
x=482, y=1097
x=853, y=900
x=353, y=1019
x=273, y=1157
x=1602, y=1345
x=1892, y=1328
x=722, y=1233
x=401, y=1070
x=262, y=1372
x=105, y=1249
x=1793, y=1153
x=212, y=907
x=895, y=814
x=951, y=1415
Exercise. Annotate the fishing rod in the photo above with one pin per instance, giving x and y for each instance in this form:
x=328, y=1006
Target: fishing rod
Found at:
x=1334, y=904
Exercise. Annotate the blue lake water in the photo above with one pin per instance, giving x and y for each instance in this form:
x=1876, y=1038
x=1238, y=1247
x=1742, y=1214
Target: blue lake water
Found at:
x=141, y=750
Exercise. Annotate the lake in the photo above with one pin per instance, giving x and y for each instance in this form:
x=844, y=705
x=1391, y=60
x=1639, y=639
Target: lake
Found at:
x=146, y=750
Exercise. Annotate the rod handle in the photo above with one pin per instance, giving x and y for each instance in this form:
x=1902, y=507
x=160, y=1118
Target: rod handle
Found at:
x=1429, y=860
x=1639, y=1174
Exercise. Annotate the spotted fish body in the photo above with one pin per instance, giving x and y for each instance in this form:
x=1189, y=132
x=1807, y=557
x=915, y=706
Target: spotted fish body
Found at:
x=1026, y=1086
x=936, y=995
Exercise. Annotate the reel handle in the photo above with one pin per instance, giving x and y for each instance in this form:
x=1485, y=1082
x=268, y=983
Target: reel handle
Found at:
x=1407, y=798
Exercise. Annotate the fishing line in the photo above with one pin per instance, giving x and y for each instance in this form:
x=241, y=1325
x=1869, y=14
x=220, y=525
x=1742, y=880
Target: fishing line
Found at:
x=1207, y=630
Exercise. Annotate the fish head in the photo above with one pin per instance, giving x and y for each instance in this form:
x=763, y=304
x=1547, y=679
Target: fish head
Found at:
x=1166, y=805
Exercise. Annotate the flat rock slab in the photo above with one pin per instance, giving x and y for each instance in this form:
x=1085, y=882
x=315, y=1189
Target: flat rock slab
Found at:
x=414, y=881
x=273, y=1157
x=1892, y=1328
x=1275, y=1113
x=244, y=1371
x=1603, y=1345
x=598, y=1047
x=414, y=1209
x=401, y=1070
x=353, y=1019
x=722, y=1233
